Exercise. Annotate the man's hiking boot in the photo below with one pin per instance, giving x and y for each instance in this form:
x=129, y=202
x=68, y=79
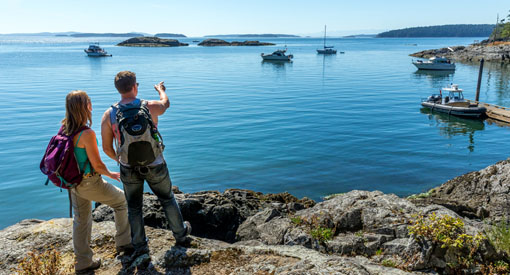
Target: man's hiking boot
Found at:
x=125, y=250
x=186, y=240
x=140, y=257
x=96, y=264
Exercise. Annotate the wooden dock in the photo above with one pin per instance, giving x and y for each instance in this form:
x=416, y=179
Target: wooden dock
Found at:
x=494, y=111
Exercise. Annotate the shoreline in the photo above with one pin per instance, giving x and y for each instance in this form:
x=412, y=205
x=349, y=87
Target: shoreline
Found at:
x=359, y=230
x=493, y=52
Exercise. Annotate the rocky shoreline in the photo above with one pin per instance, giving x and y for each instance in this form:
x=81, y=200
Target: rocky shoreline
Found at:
x=492, y=52
x=219, y=42
x=246, y=232
x=144, y=41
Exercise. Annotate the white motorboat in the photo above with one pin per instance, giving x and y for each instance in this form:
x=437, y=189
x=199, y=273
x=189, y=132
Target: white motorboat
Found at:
x=278, y=55
x=326, y=49
x=454, y=103
x=95, y=51
x=435, y=63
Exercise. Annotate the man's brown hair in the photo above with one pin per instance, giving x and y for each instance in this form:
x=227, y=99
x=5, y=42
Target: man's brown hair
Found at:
x=124, y=81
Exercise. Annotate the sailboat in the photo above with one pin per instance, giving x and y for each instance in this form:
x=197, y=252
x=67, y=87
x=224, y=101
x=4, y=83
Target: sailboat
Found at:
x=326, y=49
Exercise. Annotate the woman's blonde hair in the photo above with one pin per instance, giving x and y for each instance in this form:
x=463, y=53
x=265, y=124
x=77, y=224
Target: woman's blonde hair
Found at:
x=77, y=112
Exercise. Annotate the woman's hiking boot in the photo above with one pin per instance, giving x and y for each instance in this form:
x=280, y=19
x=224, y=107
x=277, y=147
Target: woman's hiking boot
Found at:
x=96, y=264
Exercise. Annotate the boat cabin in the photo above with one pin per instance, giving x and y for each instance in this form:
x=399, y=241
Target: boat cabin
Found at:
x=440, y=60
x=455, y=96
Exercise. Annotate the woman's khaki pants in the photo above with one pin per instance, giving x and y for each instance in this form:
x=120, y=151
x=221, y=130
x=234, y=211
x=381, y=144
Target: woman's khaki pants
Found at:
x=96, y=189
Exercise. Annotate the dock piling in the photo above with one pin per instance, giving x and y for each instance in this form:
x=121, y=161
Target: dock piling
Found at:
x=477, y=98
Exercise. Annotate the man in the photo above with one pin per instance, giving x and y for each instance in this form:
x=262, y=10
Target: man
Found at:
x=141, y=162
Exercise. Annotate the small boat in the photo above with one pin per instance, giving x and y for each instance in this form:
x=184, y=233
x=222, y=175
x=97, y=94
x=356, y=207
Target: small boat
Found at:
x=95, y=51
x=278, y=55
x=454, y=103
x=326, y=49
x=435, y=63
x=195, y=41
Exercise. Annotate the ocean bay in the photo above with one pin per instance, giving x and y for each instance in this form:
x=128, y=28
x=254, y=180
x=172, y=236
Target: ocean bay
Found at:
x=316, y=126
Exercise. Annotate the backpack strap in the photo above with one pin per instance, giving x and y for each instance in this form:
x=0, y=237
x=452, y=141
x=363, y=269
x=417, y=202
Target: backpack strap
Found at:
x=70, y=204
x=86, y=162
x=78, y=139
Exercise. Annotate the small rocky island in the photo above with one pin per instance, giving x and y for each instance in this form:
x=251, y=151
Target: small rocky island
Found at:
x=219, y=42
x=154, y=41
x=460, y=227
x=489, y=51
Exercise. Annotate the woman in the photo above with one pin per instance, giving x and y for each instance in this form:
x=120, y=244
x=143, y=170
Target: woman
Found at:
x=92, y=187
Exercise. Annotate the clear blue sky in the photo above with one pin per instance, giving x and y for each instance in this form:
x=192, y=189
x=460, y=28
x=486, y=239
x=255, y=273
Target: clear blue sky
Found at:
x=202, y=17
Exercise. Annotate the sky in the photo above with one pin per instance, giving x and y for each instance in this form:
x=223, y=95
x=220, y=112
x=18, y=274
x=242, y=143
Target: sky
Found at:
x=209, y=17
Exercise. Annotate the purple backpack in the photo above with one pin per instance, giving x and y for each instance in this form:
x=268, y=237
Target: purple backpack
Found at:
x=59, y=162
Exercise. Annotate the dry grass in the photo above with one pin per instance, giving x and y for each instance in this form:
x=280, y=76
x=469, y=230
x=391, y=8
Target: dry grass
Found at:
x=499, y=43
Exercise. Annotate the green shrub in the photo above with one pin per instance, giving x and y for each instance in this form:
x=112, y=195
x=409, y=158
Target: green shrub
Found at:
x=421, y=195
x=448, y=233
x=318, y=226
x=296, y=220
x=321, y=234
x=499, y=236
x=388, y=263
x=499, y=267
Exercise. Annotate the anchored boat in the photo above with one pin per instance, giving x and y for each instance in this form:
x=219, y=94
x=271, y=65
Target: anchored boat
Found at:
x=278, y=55
x=454, y=103
x=326, y=49
x=435, y=63
x=95, y=51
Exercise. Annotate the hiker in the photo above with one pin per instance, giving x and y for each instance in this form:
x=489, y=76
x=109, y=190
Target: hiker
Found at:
x=132, y=124
x=92, y=187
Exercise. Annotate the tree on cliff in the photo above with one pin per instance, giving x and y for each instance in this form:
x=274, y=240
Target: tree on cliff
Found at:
x=502, y=30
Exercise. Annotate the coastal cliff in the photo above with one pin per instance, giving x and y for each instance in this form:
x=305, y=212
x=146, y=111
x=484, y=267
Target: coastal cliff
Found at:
x=359, y=232
x=151, y=42
x=493, y=52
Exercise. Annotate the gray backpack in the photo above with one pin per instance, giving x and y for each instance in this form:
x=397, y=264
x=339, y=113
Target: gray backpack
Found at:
x=138, y=140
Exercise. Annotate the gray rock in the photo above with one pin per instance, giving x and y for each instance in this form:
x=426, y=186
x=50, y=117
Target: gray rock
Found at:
x=471, y=53
x=483, y=194
x=213, y=214
x=248, y=229
x=184, y=257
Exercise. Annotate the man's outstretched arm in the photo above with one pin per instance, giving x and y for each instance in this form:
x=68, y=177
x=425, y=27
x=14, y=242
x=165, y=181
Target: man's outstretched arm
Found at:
x=107, y=136
x=158, y=107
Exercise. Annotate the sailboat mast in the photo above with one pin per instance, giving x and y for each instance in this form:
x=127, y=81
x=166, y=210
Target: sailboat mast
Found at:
x=324, y=36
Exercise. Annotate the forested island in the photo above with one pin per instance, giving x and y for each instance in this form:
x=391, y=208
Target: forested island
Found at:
x=254, y=35
x=129, y=34
x=494, y=49
x=170, y=35
x=459, y=30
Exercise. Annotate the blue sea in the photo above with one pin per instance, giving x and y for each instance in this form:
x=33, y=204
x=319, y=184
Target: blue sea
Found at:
x=313, y=127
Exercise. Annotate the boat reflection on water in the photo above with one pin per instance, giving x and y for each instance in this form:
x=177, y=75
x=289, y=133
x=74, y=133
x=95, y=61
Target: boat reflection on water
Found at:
x=450, y=126
x=436, y=78
x=276, y=64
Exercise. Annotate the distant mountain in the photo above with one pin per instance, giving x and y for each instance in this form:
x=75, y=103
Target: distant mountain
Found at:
x=169, y=35
x=361, y=36
x=253, y=35
x=41, y=34
x=129, y=34
x=460, y=30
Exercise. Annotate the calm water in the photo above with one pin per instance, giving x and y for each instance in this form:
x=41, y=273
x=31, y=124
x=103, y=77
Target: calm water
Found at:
x=319, y=125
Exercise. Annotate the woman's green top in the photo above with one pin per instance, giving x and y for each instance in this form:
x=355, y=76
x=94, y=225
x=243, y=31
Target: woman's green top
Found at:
x=82, y=158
